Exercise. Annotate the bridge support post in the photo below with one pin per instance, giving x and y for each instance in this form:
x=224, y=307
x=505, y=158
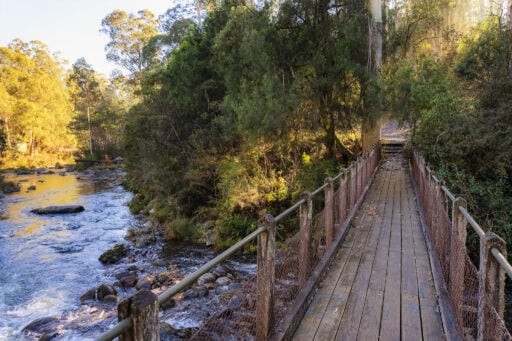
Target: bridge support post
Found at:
x=492, y=283
x=457, y=257
x=329, y=211
x=437, y=213
x=143, y=310
x=265, y=279
x=343, y=193
x=352, y=185
x=306, y=219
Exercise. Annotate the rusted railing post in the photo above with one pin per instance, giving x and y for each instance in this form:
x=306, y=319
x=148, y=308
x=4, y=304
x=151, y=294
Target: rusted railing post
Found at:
x=437, y=213
x=306, y=219
x=492, y=283
x=343, y=200
x=329, y=211
x=457, y=257
x=265, y=279
x=143, y=310
x=353, y=177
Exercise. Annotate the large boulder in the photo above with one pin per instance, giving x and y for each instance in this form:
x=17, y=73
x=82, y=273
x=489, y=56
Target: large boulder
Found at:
x=61, y=209
x=44, y=325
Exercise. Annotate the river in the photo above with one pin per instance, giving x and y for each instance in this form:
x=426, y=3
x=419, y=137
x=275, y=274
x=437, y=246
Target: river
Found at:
x=48, y=262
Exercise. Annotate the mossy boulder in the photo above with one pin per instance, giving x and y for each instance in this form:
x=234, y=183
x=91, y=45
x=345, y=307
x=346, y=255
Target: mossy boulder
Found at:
x=113, y=255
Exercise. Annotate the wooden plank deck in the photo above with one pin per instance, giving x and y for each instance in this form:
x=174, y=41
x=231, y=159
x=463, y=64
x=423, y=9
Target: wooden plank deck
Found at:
x=380, y=285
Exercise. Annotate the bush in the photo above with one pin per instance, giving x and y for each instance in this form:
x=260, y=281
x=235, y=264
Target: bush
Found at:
x=182, y=228
x=231, y=230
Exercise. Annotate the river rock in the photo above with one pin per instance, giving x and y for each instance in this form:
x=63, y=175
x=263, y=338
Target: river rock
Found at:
x=206, y=278
x=110, y=298
x=24, y=172
x=10, y=188
x=128, y=281
x=42, y=325
x=221, y=289
x=113, y=255
x=89, y=295
x=221, y=281
x=220, y=270
x=105, y=290
x=58, y=209
x=144, y=283
x=123, y=273
x=31, y=188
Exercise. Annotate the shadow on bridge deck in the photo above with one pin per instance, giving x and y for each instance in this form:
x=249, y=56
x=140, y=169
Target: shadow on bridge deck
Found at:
x=380, y=284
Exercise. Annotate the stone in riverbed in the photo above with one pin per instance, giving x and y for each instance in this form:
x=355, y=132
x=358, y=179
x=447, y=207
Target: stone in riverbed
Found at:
x=44, y=325
x=144, y=283
x=113, y=255
x=58, y=209
x=128, y=281
x=222, y=281
x=104, y=291
x=206, y=278
x=89, y=295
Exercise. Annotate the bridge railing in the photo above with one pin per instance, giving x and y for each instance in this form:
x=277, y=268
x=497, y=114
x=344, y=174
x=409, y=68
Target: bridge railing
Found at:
x=476, y=294
x=284, y=275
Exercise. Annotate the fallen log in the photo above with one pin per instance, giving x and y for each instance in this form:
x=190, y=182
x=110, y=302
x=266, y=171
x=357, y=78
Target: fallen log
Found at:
x=62, y=209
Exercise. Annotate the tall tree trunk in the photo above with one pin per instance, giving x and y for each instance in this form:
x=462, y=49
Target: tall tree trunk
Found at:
x=198, y=9
x=90, y=129
x=7, y=133
x=375, y=47
x=31, y=143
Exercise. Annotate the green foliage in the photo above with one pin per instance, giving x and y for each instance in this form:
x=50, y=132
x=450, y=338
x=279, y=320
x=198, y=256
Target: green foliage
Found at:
x=181, y=228
x=232, y=229
x=417, y=88
x=35, y=106
x=138, y=203
x=226, y=119
x=469, y=139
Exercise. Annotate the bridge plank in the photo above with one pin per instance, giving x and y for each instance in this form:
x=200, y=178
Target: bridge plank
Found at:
x=390, y=324
x=411, y=317
x=383, y=288
x=329, y=325
x=316, y=310
x=361, y=228
x=370, y=321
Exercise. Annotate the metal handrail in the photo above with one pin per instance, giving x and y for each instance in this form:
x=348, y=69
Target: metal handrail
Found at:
x=448, y=193
x=472, y=222
x=289, y=210
x=502, y=261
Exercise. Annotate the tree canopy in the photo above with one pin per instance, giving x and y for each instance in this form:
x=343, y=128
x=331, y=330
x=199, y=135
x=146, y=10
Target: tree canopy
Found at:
x=35, y=107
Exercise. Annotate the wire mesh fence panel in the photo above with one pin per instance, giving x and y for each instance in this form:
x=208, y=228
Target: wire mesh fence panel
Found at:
x=495, y=328
x=236, y=319
x=443, y=242
x=469, y=303
x=460, y=275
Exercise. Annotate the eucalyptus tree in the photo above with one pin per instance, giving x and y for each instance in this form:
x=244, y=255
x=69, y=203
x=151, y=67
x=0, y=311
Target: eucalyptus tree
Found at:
x=87, y=94
x=36, y=106
x=129, y=34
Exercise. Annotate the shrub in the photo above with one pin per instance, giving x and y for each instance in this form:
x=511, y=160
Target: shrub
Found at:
x=182, y=228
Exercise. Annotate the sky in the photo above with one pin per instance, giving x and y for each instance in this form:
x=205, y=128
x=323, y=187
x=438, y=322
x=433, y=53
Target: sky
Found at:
x=70, y=27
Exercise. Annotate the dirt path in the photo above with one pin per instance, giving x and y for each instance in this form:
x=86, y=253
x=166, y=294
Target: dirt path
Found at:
x=392, y=131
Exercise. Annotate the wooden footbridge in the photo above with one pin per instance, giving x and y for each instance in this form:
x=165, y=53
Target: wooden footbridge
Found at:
x=379, y=254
